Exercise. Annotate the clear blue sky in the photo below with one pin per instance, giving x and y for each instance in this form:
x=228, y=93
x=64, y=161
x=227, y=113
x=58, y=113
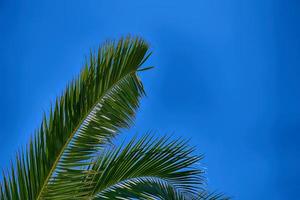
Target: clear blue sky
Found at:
x=227, y=76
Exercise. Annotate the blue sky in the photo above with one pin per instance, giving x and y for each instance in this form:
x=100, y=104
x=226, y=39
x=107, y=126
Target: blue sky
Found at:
x=226, y=76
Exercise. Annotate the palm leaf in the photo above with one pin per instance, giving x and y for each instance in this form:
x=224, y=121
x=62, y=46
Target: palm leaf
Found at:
x=149, y=168
x=91, y=111
x=146, y=188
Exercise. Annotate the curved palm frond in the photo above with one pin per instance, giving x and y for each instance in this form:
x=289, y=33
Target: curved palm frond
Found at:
x=91, y=111
x=146, y=188
x=150, y=168
x=147, y=160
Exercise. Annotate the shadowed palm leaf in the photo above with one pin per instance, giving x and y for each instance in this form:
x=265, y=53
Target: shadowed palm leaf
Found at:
x=69, y=156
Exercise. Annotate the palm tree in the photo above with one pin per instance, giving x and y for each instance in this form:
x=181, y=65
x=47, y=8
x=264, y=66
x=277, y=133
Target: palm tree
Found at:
x=72, y=156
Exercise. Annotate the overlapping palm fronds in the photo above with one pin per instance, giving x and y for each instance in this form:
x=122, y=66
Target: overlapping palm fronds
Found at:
x=69, y=156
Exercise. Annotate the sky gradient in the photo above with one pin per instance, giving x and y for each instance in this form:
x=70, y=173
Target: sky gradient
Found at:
x=226, y=76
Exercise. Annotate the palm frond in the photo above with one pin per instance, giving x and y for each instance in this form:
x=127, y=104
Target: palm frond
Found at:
x=91, y=111
x=146, y=188
x=143, y=164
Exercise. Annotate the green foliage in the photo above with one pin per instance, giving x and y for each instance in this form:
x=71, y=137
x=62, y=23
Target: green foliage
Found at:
x=71, y=156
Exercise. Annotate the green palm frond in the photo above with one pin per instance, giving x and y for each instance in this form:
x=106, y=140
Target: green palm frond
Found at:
x=150, y=168
x=91, y=111
x=148, y=159
x=145, y=188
